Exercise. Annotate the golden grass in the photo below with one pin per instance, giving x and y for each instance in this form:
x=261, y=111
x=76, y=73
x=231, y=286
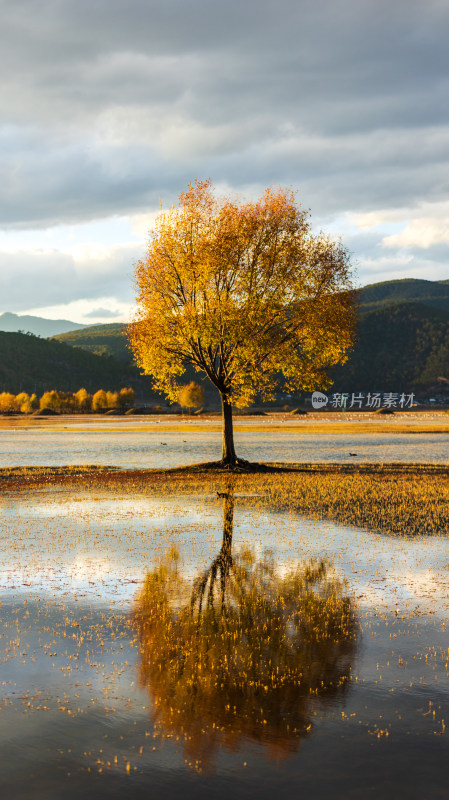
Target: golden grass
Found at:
x=391, y=499
x=406, y=502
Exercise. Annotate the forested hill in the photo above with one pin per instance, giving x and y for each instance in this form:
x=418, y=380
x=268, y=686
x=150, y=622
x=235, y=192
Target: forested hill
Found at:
x=400, y=346
x=31, y=364
x=403, y=337
x=103, y=340
x=433, y=294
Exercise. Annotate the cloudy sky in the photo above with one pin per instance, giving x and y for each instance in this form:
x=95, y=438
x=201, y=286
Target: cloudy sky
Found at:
x=110, y=107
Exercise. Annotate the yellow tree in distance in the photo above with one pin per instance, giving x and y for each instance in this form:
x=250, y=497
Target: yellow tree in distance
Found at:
x=245, y=293
x=191, y=395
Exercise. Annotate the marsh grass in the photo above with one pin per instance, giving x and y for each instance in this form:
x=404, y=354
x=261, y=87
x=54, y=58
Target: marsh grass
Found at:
x=392, y=499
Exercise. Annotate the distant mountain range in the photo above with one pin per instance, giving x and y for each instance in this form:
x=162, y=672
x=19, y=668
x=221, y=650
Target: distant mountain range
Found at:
x=402, y=344
x=12, y=323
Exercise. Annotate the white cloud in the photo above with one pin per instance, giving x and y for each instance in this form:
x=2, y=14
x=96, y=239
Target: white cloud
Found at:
x=427, y=226
x=142, y=224
x=422, y=233
x=86, y=311
x=42, y=279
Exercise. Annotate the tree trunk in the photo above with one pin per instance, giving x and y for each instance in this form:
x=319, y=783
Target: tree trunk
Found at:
x=225, y=556
x=228, y=523
x=228, y=451
x=222, y=564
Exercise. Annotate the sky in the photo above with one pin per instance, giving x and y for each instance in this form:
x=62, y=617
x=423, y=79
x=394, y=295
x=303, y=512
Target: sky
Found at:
x=110, y=108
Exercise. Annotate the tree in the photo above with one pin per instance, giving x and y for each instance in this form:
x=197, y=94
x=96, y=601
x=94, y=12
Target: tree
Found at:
x=7, y=403
x=100, y=401
x=83, y=400
x=191, y=395
x=67, y=402
x=246, y=294
x=246, y=653
x=50, y=400
x=22, y=403
x=126, y=397
x=112, y=399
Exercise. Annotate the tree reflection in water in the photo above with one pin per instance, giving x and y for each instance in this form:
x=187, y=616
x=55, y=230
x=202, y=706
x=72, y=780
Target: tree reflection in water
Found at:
x=244, y=655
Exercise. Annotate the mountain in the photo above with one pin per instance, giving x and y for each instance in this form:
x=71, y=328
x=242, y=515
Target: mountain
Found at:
x=433, y=294
x=31, y=364
x=103, y=340
x=399, y=346
x=38, y=325
x=402, y=340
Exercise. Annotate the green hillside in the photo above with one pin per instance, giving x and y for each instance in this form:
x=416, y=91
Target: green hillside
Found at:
x=399, y=346
x=110, y=340
x=102, y=340
x=31, y=364
x=434, y=294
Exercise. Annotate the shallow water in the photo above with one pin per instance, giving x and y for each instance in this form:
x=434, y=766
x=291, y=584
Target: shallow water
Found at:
x=148, y=447
x=74, y=718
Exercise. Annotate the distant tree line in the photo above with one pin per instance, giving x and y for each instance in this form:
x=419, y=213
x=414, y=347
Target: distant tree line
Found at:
x=80, y=402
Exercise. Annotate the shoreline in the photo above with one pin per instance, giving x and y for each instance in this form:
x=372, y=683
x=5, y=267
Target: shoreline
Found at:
x=209, y=469
x=313, y=423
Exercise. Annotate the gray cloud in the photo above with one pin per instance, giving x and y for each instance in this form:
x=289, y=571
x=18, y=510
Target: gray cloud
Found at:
x=44, y=279
x=108, y=107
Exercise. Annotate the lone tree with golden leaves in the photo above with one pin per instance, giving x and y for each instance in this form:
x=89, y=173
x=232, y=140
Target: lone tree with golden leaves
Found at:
x=246, y=294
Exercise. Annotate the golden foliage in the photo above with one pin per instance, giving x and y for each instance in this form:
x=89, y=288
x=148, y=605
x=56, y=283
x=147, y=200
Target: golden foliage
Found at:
x=126, y=397
x=83, y=400
x=50, y=400
x=99, y=401
x=23, y=403
x=191, y=395
x=112, y=399
x=248, y=669
x=7, y=402
x=66, y=402
x=244, y=293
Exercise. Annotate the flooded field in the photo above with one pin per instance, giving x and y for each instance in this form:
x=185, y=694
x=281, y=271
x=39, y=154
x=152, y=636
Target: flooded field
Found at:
x=160, y=638
x=138, y=443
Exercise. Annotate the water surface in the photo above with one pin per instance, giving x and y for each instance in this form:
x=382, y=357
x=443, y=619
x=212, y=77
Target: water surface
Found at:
x=83, y=710
x=141, y=444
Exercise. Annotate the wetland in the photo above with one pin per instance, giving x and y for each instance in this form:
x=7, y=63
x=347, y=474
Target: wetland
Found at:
x=166, y=632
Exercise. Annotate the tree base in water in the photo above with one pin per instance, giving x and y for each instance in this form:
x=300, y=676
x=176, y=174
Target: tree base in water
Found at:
x=239, y=465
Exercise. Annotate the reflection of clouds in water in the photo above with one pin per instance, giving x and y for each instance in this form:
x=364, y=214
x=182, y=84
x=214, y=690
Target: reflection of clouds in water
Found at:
x=148, y=510
x=407, y=586
x=424, y=585
x=57, y=536
x=88, y=567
